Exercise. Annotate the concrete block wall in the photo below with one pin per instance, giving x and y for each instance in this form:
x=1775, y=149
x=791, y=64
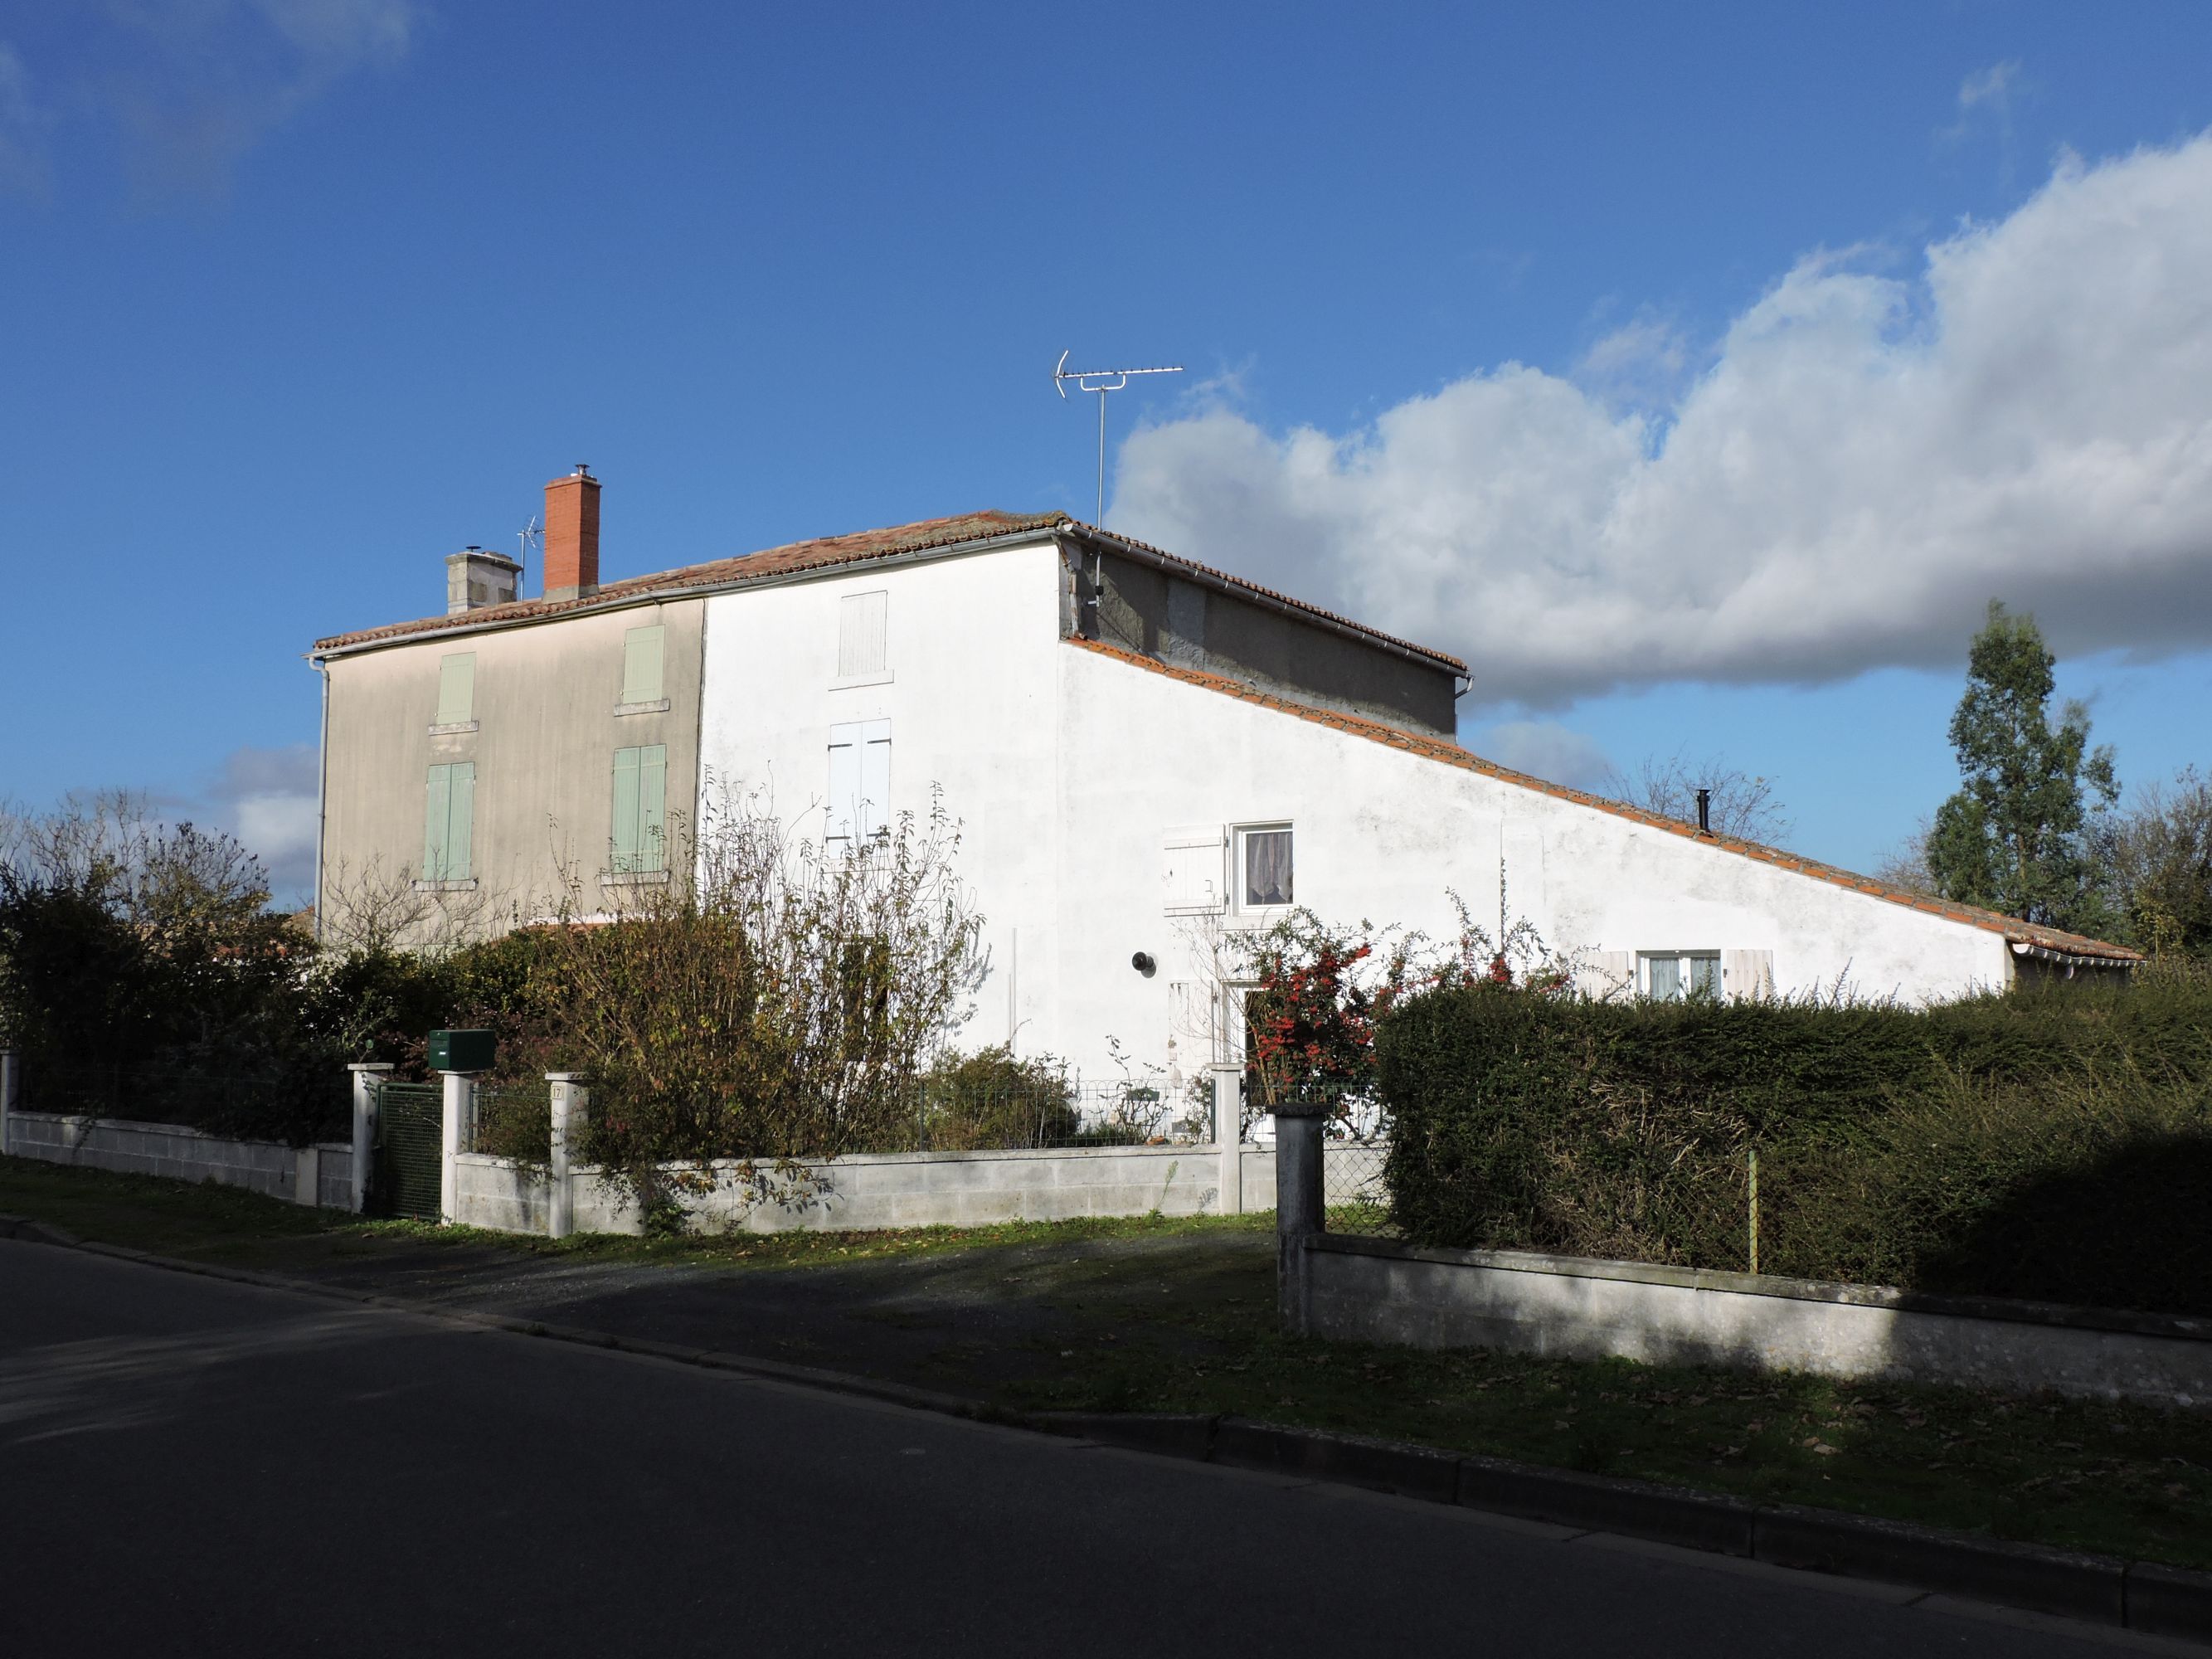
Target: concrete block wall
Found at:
x=501, y=1194
x=908, y=1189
x=179, y=1153
x=1374, y=1290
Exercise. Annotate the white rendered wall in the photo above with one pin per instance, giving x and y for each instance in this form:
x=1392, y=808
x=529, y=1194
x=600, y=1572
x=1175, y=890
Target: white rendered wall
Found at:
x=1381, y=833
x=974, y=652
x=1067, y=766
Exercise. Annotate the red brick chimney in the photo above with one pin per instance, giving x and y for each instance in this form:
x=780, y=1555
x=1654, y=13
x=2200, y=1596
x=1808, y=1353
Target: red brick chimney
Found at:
x=572, y=536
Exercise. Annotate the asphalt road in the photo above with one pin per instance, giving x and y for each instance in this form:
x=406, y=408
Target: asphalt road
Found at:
x=193, y=1467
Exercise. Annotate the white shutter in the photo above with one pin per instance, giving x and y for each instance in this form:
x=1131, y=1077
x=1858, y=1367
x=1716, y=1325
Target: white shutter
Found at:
x=1608, y=975
x=844, y=781
x=1747, y=974
x=863, y=644
x=874, y=810
x=1191, y=864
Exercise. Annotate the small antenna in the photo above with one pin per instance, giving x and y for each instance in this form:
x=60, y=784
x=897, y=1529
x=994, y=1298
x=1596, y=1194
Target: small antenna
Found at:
x=528, y=536
x=1102, y=381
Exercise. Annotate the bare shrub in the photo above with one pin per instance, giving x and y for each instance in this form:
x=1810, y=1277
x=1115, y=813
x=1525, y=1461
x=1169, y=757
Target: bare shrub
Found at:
x=773, y=999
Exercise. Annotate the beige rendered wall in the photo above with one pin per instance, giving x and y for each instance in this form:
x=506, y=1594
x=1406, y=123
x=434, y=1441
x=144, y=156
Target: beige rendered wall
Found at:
x=546, y=733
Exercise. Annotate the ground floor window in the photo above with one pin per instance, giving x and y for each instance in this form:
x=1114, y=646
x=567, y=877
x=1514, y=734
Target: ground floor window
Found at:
x=1670, y=976
x=640, y=814
x=449, y=822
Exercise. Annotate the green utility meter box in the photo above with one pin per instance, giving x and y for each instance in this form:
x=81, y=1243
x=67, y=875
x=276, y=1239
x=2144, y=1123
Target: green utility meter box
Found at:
x=462, y=1051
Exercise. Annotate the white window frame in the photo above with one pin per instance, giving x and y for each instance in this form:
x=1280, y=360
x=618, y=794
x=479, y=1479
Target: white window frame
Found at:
x=1683, y=958
x=1238, y=835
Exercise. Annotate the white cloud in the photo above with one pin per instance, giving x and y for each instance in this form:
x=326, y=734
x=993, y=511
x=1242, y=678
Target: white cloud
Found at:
x=1547, y=750
x=192, y=85
x=1866, y=461
x=267, y=799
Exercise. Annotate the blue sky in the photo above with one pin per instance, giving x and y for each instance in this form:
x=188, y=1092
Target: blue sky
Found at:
x=1698, y=372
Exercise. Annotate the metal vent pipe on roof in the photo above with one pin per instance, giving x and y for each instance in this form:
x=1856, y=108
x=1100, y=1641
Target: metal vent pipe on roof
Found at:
x=1704, y=812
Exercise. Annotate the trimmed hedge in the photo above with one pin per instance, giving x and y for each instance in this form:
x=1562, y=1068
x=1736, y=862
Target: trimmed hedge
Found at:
x=2054, y=1144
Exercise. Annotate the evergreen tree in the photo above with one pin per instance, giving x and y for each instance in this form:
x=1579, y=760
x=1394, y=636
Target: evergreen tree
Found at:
x=2015, y=838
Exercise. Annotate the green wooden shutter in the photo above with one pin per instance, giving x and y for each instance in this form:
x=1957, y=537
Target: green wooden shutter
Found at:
x=642, y=654
x=625, y=833
x=461, y=822
x=435, y=811
x=457, y=689
x=652, y=807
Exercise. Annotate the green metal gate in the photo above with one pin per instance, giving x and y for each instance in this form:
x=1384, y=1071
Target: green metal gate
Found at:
x=407, y=1169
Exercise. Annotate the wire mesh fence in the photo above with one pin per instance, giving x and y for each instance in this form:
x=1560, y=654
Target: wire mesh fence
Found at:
x=512, y=1120
x=1354, y=1196
x=1059, y=1114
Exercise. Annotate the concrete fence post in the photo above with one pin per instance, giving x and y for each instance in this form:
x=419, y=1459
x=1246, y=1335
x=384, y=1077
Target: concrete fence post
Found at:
x=1229, y=1134
x=1298, y=1206
x=571, y=1102
x=457, y=1130
x=11, y=1076
x=365, y=1075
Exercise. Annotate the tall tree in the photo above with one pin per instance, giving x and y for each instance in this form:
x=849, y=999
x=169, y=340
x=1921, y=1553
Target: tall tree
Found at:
x=2015, y=836
x=2160, y=852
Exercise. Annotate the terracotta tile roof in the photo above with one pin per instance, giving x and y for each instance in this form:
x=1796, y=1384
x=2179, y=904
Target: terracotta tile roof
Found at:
x=856, y=548
x=2014, y=930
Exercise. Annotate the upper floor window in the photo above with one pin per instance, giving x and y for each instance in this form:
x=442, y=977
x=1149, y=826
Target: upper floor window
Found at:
x=457, y=689
x=860, y=781
x=642, y=650
x=863, y=635
x=1671, y=975
x=1263, y=867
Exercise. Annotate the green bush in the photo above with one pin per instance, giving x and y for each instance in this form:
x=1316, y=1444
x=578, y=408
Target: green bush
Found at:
x=2053, y=1144
x=990, y=1100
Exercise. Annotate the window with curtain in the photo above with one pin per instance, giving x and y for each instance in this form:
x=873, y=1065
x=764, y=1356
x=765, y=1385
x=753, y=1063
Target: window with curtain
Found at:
x=1263, y=857
x=1672, y=975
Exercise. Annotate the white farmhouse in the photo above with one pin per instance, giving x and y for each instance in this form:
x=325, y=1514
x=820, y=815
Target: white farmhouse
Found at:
x=1143, y=752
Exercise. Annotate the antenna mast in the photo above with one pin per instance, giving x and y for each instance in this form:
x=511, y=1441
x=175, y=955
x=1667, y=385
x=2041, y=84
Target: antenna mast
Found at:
x=527, y=538
x=1102, y=381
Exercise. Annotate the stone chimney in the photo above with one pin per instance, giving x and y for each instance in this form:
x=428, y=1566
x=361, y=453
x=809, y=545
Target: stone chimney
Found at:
x=475, y=579
x=572, y=536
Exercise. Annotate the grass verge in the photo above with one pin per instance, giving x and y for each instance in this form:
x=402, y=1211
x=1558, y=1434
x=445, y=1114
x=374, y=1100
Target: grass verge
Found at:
x=1146, y=1314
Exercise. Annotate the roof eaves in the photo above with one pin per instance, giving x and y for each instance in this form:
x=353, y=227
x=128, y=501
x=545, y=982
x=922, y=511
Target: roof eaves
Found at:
x=2015, y=931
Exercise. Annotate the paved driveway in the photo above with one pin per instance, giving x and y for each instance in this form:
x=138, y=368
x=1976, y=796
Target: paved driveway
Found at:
x=193, y=1466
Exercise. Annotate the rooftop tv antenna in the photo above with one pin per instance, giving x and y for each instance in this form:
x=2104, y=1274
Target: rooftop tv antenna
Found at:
x=528, y=536
x=1102, y=381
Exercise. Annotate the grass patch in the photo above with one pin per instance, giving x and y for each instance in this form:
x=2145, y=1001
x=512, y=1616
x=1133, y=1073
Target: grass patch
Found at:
x=205, y=1221
x=2122, y=1480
